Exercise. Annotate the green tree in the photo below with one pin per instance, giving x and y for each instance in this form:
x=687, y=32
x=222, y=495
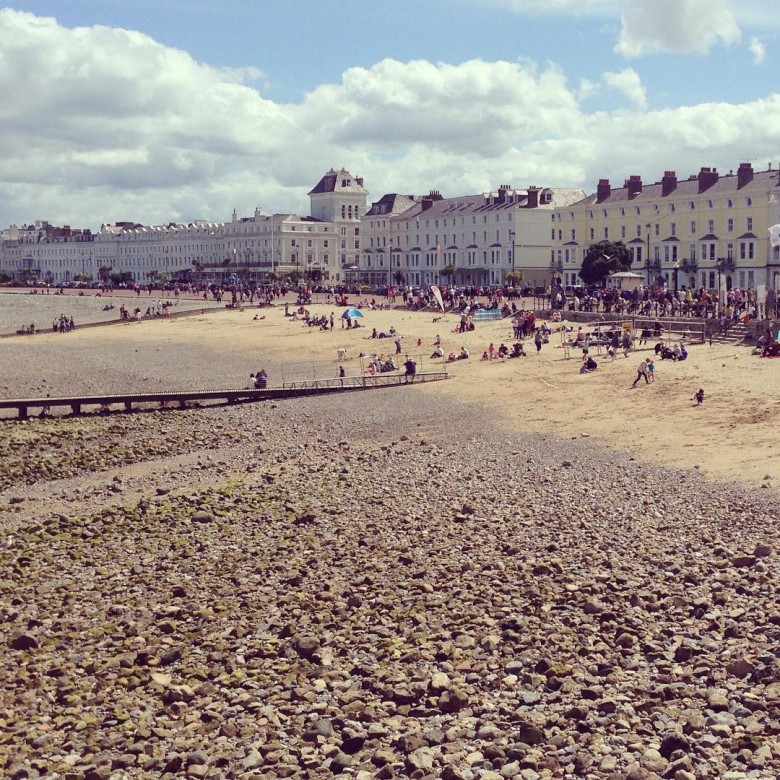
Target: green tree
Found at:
x=603, y=259
x=104, y=273
x=448, y=272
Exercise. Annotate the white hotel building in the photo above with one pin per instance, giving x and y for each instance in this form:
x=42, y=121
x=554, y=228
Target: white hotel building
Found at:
x=402, y=239
x=322, y=246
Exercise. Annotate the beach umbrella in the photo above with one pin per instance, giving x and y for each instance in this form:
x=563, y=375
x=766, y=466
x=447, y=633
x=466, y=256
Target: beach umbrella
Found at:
x=351, y=313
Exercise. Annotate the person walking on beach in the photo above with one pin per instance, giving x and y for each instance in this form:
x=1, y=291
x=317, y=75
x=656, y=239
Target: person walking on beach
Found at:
x=641, y=371
x=626, y=343
x=538, y=340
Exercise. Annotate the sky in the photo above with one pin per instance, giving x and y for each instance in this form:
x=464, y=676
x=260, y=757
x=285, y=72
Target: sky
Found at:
x=174, y=110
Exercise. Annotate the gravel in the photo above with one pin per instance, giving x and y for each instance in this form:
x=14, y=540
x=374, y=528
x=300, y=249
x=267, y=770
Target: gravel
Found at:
x=377, y=585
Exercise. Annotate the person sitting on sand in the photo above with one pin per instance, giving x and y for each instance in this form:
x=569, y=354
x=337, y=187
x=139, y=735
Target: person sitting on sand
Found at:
x=518, y=349
x=503, y=351
x=772, y=349
x=463, y=354
x=588, y=365
x=438, y=352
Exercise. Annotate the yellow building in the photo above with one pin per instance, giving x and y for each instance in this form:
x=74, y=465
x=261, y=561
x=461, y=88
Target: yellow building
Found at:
x=709, y=230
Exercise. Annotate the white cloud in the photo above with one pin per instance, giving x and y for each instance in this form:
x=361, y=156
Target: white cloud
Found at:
x=99, y=125
x=682, y=26
x=629, y=83
x=758, y=50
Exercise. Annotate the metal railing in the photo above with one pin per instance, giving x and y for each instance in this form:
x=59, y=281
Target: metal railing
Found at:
x=181, y=399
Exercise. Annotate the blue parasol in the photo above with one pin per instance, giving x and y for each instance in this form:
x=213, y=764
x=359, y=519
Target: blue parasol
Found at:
x=351, y=313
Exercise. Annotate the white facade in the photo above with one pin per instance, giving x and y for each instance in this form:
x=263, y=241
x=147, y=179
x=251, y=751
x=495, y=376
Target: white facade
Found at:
x=254, y=248
x=467, y=240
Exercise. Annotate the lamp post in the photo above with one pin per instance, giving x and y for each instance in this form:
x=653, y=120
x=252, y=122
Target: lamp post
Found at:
x=552, y=284
x=512, y=258
x=675, y=272
x=647, y=259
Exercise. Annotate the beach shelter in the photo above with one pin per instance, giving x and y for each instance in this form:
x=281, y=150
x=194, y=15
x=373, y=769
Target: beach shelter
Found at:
x=351, y=313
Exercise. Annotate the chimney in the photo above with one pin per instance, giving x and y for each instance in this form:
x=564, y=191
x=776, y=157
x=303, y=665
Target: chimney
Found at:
x=668, y=183
x=744, y=174
x=634, y=186
x=708, y=177
x=502, y=191
x=603, y=191
x=532, y=200
x=429, y=199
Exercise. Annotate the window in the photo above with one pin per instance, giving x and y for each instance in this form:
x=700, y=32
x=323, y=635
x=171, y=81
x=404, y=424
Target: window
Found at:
x=692, y=204
x=672, y=228
x=749, y=225
x=693, y=227
x=592, y=232
x=748, y=202
x=730, y=225
x=711, y=226
x=729, y=204
x=623, y=231
x=606, y=233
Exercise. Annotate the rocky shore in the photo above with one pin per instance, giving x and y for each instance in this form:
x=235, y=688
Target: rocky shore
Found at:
x=378, y=585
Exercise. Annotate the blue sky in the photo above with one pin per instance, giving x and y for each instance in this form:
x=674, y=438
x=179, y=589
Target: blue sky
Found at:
x=159, y=110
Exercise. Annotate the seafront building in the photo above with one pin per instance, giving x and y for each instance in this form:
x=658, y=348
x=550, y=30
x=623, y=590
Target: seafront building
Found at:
x=709, y=230
x=320, y=246
x=487, y=239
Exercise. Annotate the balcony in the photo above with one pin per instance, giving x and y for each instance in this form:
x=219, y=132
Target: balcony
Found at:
x=688, y=266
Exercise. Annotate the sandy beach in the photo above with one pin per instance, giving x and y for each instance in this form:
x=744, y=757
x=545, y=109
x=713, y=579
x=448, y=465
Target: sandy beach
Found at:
x=415, y=582
x=731, y=436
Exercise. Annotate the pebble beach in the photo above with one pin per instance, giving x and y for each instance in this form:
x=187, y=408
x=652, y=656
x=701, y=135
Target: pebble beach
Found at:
x=520, y=572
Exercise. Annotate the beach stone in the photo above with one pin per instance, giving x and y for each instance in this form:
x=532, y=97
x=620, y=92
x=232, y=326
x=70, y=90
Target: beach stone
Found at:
x=530, y=734
x=202, y=517
x=306, y=645
x=22, y=641
x=453, y=700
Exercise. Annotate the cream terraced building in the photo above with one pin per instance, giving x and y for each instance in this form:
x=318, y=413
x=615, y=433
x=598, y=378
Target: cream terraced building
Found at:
x=707, y=231
x=466, y=240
